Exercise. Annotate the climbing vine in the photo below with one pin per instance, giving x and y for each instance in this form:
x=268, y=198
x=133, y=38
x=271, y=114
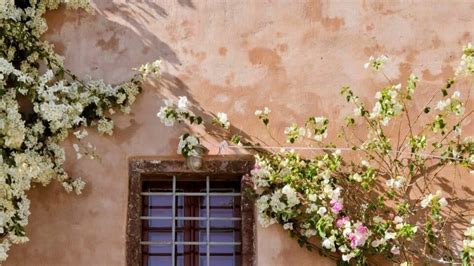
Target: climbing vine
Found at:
x=41, y=103
x=377, y=194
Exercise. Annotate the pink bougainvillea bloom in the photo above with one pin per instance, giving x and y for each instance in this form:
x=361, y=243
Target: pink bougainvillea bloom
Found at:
x=354, y=240
x=336, y=206
x=341, y=221
x=362, y=230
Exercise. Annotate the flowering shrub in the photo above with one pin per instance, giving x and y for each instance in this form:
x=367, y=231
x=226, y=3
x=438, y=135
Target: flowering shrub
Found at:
x=363, y=206
x=41, y=102
x=187, y=145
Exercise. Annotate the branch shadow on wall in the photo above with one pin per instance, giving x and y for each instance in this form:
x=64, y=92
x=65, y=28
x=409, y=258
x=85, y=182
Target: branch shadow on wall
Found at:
x=178, y=88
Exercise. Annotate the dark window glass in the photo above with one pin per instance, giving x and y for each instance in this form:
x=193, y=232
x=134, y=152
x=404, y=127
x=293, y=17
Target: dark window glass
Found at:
x=191, y=246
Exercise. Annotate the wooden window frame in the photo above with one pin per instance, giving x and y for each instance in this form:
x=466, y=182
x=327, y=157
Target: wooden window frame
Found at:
x=223, y=167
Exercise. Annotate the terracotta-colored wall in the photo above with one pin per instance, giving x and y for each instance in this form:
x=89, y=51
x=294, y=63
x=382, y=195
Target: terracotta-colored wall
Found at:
x=232, y=56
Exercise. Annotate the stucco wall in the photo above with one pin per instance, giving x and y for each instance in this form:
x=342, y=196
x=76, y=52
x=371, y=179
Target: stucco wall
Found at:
x=231, y=56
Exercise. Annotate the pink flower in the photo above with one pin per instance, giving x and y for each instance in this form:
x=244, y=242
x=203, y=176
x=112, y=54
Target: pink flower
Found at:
x=359, y=236
x=256, y=169
x=341, y=221
x=354, y=240
x=336, y=206
x=361, y=229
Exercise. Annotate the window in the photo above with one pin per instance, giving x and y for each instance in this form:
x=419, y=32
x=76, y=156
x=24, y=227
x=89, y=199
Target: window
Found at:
x=177, y=216
x=191, y=223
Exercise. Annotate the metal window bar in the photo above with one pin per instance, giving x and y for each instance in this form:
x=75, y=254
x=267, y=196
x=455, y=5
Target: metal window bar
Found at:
x=173, y=226
x=176, y=218
x=165, y=243
x=208, y=222
x=233, y=194
x=183, y=218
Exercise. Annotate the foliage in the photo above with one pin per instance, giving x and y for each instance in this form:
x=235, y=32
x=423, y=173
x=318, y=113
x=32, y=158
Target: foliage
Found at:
x=363, y=205
x=41, y=102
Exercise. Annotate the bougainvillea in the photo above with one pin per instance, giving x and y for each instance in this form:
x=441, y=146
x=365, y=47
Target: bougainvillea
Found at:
x=41, y=102
x=365, y=203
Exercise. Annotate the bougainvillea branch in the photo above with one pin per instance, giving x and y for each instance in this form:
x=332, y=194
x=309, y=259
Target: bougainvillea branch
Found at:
x=41, y=102
x=386, y=200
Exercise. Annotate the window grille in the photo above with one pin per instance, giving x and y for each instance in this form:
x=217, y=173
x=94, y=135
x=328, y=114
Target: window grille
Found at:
x=191, y=223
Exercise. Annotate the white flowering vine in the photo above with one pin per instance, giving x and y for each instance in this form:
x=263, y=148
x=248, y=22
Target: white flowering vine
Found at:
x=57, y=103
x=362, y=206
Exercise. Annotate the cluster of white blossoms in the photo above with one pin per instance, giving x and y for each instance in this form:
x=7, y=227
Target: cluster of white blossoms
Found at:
x=315, y=128
x=396, y=183
x=263, y=115
x=171, y=113
x=431, y=199
x=222, y=120
x=387, y=105
x=40, y=106
x=466, y=66
x=376, y=63
x=452, y=104
x=303, y=196
x=362, y=207
x=468, y=243
x=187, y=145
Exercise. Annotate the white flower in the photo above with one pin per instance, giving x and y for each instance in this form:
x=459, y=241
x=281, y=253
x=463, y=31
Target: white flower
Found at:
x=365, y=163
x=456, y=95
x=322, y=211
x=80, y=134
x=4, y=247
x=441, y=105
x=328, y=243
x=262, y=203
x=288, y=226
x=105, y=126
x=358, y=111
x=265, y=111
x=165, y=117
x=275, y=202
x=377, y=242
x=150, y=68
x=389, y=235
x=222, y=118
x=78, y=185
x=426, y=201
x=310, y=233
x=443, y=202
x=396, y=183
x=265, y=221
x=376, y=64
x=77, y=149
x=377, y=219
x=182, y=103
x=395, y=250
x=291, y=195
x=398, y=219
x=348, y=257
x=357, y=177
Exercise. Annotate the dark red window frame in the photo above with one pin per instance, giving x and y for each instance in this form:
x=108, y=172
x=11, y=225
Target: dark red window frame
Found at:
x=221, y=168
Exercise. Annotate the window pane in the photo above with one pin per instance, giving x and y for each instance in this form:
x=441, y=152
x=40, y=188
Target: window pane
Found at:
x=192, y=230
x=161, y=237
x=159, y=260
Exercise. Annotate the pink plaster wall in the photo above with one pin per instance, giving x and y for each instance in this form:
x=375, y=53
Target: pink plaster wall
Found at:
x=231, y=56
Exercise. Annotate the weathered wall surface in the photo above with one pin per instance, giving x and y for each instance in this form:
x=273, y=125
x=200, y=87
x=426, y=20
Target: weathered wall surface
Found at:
x=231, y=56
